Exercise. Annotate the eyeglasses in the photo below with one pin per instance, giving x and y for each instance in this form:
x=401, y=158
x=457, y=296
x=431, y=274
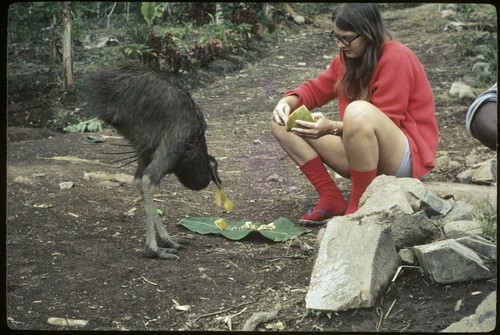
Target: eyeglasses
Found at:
x=345, y=40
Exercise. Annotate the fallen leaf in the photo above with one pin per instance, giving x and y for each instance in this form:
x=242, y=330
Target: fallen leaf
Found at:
x=275, y=326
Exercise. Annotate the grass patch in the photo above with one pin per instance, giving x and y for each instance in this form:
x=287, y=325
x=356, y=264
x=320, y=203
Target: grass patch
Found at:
x=486, y=216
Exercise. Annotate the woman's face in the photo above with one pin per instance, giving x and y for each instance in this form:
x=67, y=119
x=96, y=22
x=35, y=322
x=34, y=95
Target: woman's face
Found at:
x=355, y=48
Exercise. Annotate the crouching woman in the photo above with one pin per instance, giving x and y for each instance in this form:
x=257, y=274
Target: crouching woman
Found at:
x=387, y=123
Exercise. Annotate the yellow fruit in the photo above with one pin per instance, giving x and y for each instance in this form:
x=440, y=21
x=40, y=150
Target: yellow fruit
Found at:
x=301, y=113
x=228, y=205
x=220, y=198
x=221, y=224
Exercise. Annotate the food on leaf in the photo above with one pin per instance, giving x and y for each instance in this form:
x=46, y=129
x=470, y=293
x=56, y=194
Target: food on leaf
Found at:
x=269, y=226
x=279, y=230
x=301, y=113
x=221, y=224
x=248, y=226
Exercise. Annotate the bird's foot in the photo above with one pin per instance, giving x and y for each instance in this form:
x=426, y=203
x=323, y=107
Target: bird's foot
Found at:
x=167, y=248
x=173, y=242
x=162, y=253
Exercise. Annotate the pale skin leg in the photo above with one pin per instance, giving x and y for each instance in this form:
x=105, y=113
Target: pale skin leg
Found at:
x=369, y=140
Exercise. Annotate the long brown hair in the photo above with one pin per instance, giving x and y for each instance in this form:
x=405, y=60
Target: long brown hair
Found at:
x=363, y=19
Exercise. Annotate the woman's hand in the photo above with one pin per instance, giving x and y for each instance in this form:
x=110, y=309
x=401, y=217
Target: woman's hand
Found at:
x=323, y=126
x=281, y=112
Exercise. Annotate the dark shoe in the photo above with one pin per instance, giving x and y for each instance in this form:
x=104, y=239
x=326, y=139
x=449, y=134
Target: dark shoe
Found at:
x=315, y=217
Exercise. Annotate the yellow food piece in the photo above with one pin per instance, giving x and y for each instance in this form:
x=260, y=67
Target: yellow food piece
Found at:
x=220, y=198
x=221, y=223
x=228, y=204
x=301, y=113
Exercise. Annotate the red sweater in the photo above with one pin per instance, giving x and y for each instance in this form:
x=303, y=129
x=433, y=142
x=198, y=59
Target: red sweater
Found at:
x=400, y=90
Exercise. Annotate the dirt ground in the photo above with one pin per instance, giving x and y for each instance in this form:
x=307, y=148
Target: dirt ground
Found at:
x=78, y=253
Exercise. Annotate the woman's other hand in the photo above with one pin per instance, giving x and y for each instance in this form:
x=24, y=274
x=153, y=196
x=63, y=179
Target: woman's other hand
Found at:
x=323, y=126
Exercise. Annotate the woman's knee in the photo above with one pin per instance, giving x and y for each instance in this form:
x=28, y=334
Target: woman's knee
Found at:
x=359, y=115
x=277, y=130
x=359, y=109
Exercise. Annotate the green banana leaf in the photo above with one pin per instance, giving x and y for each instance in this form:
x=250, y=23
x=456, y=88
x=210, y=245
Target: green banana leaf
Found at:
x=284, y=228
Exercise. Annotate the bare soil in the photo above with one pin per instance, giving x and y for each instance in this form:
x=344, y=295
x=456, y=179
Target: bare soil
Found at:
x=78, y=253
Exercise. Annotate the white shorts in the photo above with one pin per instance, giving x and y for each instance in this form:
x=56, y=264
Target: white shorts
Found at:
x=405, y=168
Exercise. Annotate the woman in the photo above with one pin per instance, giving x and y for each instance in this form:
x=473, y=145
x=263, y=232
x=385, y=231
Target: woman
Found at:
x=387, y=123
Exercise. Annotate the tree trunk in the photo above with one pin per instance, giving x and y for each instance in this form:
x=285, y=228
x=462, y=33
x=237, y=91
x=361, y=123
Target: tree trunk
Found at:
x=67, y=49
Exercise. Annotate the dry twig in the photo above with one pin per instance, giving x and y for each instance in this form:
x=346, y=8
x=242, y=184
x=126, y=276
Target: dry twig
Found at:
x=259, y=317
x=222, y=311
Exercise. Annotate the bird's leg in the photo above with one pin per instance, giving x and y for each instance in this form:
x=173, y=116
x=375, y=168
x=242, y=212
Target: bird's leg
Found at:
x=164, y=237
x=153, y=222
x=138, y=184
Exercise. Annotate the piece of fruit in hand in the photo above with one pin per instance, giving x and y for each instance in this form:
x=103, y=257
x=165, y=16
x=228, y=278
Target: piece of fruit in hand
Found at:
x=301, y=113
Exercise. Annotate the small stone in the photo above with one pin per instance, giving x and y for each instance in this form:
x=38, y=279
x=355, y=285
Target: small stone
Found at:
x=274, y=178
x=407, y=256
x=65, y=185
x=434, y=205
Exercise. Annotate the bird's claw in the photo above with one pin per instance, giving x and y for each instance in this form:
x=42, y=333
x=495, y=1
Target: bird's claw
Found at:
x=180, y=241
x=162, y=253
x=174, y=243
x=167, y=253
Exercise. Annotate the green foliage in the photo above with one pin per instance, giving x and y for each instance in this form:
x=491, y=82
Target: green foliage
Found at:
x=486, y=216
x=32, y=21
x=477, y=42
x=284, y=228
x=139, y=52
x=489, y=74
x=317, y=313
x=104, y=57
x=137, y=32
x=182, y=48
x=61, y=120
x=315, y=8
x=465, y=8
x=152, y=10
x=91, y=125
x=194, y=41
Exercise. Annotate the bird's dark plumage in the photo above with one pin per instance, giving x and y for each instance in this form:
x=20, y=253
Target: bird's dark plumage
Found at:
x=166, y=128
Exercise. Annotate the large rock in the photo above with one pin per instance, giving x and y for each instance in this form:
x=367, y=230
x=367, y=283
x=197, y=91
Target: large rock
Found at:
x=388, y=193
x=355, y=264
x=486, y=174
x=482, y=321
x=460, y=211
x=480, y=245
x=411, y=229
x=462, y=228
x=449, y=262
x=407, y=230
x=474, y=194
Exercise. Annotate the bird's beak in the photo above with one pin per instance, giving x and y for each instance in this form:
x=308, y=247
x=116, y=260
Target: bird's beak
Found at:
x=214, y=173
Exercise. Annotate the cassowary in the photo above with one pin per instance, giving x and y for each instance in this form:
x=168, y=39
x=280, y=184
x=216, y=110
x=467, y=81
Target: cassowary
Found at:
x=167, y=130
